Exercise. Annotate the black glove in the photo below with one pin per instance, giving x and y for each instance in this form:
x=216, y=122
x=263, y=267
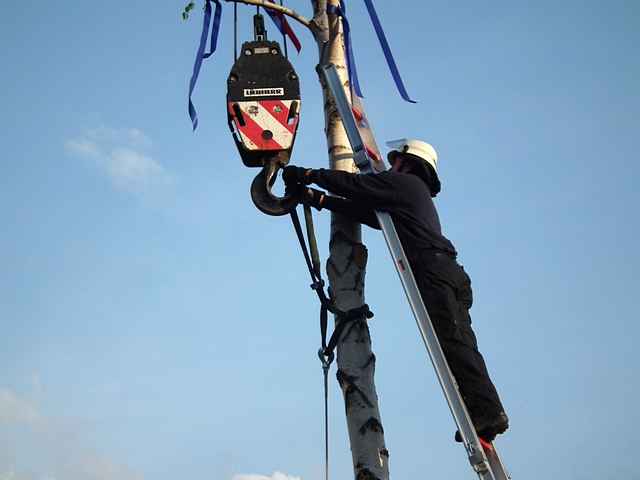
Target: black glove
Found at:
x=313, y=197
x=292, y=175
x=295, y=190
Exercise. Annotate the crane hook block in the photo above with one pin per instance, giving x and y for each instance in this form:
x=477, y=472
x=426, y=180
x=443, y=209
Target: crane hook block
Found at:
x=263, y=107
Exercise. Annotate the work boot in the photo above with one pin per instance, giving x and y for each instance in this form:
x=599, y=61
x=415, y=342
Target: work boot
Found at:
x=487, y=429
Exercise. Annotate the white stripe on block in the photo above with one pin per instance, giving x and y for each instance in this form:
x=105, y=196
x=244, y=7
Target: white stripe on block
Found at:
x=262, y=116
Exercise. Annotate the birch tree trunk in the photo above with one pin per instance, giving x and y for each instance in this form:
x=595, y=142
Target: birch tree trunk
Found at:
x=346, y=269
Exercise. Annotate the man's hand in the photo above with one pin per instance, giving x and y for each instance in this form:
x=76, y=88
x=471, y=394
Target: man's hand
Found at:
x=295, y=175
x=295, y=190
x=313, y=197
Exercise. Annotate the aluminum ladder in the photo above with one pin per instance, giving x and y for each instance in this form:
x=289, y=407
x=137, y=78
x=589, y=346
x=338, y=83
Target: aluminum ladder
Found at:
x=483, y=456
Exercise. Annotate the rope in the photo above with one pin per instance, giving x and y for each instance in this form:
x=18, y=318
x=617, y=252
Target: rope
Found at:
x=235, y=31
x=325, y=373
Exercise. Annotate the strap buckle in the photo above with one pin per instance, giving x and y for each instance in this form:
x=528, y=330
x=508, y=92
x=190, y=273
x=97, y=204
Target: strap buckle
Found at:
x=325, y=358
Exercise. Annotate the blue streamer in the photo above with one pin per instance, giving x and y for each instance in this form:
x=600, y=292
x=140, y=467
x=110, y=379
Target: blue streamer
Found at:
x=351, y=60
x=201, y=55
x=281, y=22
x=387, y=51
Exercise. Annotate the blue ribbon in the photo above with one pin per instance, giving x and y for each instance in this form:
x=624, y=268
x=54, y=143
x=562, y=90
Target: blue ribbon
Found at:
x=387, y=51
x=201, y=55
x=285, y=29
x=351, y=60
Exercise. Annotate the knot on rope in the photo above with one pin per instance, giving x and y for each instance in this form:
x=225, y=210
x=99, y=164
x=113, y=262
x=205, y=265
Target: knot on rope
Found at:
x=355, y=313
x=343, y=318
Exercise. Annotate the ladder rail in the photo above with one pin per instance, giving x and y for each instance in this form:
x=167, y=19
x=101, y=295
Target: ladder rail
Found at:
x=486, y=468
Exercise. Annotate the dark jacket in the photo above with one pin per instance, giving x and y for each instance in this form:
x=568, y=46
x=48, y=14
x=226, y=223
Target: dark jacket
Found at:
x=403, y=195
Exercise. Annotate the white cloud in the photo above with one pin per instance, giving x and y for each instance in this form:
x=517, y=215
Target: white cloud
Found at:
x=49, y=448
x=14, y=409
x=129, y=136
x=122, y=155
x=275, y=476
x=36, y=383
x=137, y=137
x=11, y=475
x=130, y=169
x=90, y=466
x=58, y=448
x=83, y=147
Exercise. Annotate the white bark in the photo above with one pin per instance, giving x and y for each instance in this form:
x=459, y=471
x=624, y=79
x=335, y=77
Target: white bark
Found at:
x=346, y=269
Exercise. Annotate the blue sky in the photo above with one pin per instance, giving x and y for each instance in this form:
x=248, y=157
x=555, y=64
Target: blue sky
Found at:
x=155, y=325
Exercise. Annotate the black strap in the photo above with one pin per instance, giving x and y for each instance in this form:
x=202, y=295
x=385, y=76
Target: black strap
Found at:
x=235, y=31
x=344, y=319
x=313, y=244
x=313, y=266
x=326, y=305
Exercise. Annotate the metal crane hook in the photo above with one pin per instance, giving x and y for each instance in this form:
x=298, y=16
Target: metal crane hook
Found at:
x=261, y=193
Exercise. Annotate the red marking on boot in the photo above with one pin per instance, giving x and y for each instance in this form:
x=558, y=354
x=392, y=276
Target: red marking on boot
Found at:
x=486, y=445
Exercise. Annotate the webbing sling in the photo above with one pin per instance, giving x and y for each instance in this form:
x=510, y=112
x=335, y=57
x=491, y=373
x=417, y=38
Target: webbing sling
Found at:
x=312, y=259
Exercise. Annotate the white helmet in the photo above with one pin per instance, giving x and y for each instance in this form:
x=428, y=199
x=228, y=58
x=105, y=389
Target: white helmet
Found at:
x=414, y=147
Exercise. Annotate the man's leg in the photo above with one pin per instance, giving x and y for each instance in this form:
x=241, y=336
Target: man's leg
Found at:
x=446, y=292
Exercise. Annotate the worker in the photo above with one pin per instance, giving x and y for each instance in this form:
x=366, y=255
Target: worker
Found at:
x=406, y=193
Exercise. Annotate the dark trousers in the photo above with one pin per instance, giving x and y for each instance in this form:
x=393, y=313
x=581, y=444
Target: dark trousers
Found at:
x=446, y=292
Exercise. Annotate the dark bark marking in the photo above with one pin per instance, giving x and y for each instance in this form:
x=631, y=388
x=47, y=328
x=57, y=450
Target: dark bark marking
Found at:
x=349, y=387
x=342, y=238
x=361, y=325
x=360, y=255
x=366, y=474
x=372, y=424
x=371, y=361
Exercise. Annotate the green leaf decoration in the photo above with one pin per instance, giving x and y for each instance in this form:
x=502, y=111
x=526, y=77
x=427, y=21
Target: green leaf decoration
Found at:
x=185, y=13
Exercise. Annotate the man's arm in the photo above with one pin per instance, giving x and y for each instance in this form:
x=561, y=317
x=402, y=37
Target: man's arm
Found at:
x=354, y=210
x=357, y=212
x=372, y=190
